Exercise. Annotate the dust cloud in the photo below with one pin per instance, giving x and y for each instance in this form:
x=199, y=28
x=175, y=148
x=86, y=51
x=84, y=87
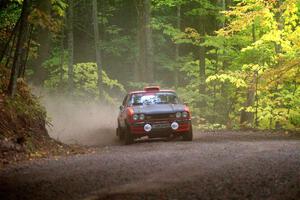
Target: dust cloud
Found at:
x=80, y=122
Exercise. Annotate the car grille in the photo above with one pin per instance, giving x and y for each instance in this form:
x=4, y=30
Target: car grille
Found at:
x=160, y=116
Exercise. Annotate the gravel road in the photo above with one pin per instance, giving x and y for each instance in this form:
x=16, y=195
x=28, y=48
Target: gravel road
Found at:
x=221, y=165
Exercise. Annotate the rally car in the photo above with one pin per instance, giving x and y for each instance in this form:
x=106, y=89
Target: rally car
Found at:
x=154, y=113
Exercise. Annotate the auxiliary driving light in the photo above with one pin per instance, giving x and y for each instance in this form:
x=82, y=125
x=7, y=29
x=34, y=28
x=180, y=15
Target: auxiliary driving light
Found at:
x=142, y=116
x=178, y=114
x=185, y=114
x=135, y=117
x=147, y=127
x=174, y=125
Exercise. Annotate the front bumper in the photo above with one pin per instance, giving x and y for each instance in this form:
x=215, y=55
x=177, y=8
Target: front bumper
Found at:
x=160, y=128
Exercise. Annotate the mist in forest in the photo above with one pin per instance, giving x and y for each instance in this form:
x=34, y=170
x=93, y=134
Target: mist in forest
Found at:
x=80, y=122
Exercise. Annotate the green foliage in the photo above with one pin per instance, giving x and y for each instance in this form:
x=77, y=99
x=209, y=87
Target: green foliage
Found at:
x=117, y=46
x=233, y=78
x=85, y=79
x=25, y=105
x=203, y=8
x=252, y=51
x=8, y=19
x=59, y=7
x=29, y=108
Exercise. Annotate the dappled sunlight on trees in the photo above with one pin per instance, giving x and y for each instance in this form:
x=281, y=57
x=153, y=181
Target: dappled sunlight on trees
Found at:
x=236, y=63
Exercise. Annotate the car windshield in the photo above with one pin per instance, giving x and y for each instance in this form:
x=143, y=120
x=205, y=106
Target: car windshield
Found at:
x=154, y=98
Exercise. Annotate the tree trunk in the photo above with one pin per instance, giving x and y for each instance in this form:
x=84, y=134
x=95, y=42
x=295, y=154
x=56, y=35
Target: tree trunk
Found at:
x=148, y=42
x=136, y=70
x=61, y=59
x=11, y=37
x=214, y=86
x=11, y=49
x=202, y=86
x=144, y=42
x=280, y=22
x=256, y=99
x=247, y=117
x=222, y=5
x=202, y=52
x=97, y=49
x=140, y=69
x=136, y=67
x=70, y=20
x=176, y=67
x=25, y=54
x=21, y=42
x=42, y=37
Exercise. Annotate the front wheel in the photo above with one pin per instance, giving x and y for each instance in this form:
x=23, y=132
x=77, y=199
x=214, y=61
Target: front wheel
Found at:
x=188, y=136
x=120, y=133
x=128, y=138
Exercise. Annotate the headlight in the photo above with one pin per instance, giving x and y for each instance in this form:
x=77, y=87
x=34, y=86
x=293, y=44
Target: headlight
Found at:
x=135, y=117
x=174, y=125
x=185, y=114
x=142, y=116
x=178, y=114
x=147, y=127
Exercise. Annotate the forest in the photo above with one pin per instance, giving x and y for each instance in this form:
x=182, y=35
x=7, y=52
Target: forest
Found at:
x=236, y=63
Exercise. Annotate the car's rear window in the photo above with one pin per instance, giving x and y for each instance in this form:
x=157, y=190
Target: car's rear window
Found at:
x=154, y=98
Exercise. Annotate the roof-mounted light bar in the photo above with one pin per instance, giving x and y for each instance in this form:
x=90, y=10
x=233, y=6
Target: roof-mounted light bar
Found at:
x=152, y=88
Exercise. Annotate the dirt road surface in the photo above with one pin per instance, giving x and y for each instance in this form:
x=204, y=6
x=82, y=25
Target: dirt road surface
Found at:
x=228, y=165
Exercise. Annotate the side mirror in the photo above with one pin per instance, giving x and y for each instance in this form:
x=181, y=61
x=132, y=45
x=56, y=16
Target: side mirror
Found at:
x=121, y=107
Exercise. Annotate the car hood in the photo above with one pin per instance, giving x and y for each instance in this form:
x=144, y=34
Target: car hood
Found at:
x=158, y=108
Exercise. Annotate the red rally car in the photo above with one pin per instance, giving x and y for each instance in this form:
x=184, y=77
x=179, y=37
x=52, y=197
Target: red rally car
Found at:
x=154, y=113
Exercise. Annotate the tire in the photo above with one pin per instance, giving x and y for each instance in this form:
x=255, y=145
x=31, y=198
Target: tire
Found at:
x=120, y=133
x=128, y=138
x=188, y=136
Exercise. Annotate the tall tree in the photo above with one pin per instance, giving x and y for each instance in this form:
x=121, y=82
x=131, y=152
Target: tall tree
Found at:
x=97, y=48
x=70, y=21
x=20, y=48
x=43, y=38
x=141, y=69
x=26, y=49
x=144, y=41
x=11, y=40
x=202, y=52
x=178, y=26
x=247, y=117
x=148, y=42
